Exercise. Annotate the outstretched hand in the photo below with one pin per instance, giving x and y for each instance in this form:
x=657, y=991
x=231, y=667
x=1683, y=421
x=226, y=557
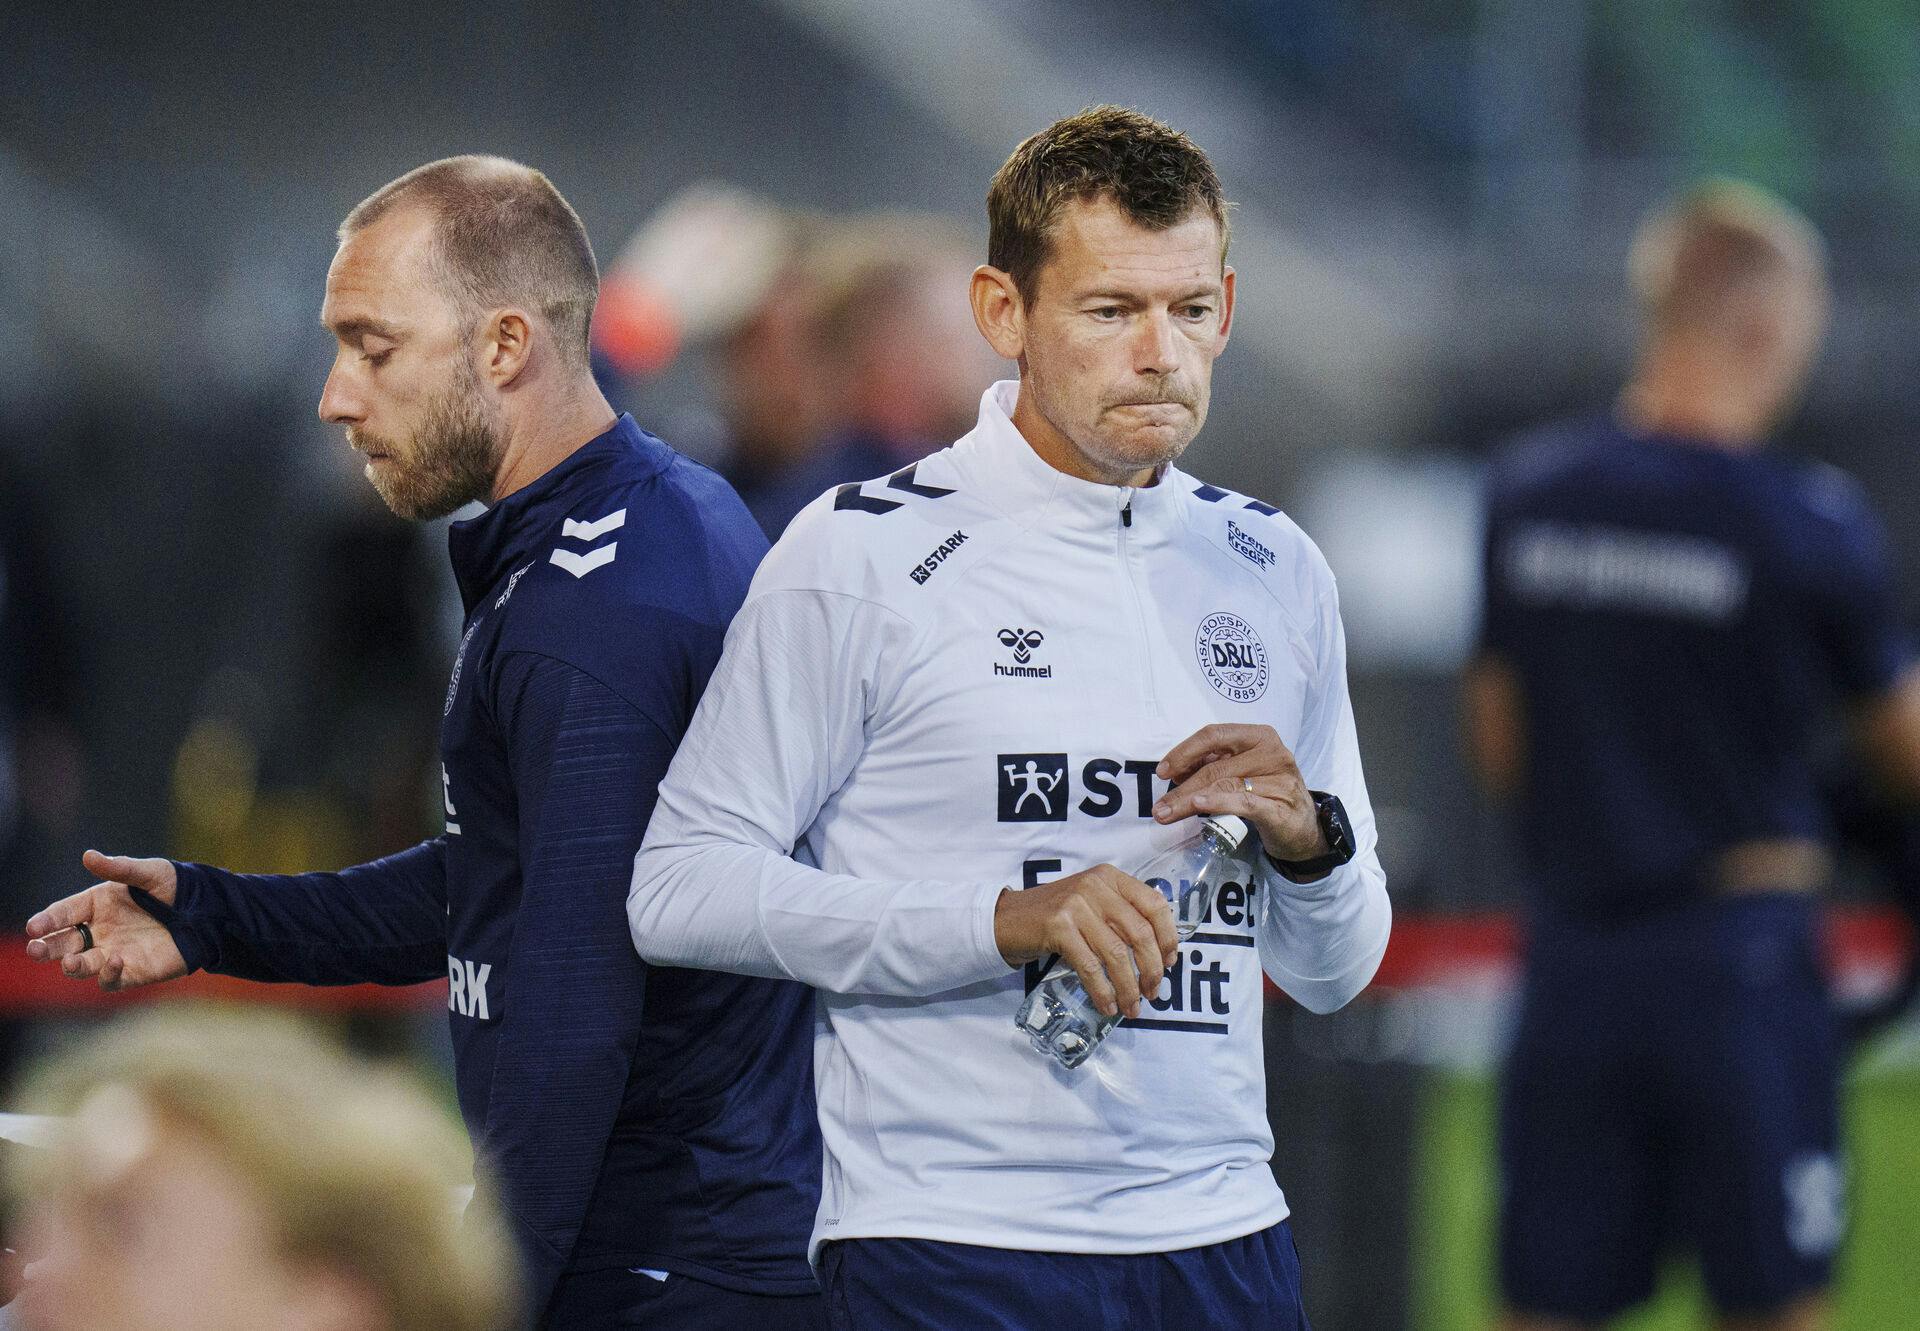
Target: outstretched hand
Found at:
x=130, y=947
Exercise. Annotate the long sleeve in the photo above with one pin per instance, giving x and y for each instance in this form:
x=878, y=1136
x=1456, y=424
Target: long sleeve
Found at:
x=384, y=922
x=586, y=764
x=780, y=728
x=1322, y=942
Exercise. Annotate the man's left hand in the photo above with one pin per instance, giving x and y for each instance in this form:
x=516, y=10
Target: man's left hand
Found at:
x=1245, y=771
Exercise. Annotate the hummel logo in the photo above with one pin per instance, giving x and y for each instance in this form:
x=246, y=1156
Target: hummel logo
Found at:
x=1023, y=641
x=581, y=565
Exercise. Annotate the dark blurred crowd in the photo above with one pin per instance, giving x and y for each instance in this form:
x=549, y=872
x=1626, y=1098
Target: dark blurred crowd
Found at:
x=838, y=347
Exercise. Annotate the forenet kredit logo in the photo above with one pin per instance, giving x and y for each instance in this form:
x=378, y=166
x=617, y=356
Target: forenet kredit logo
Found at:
x=1022, y=642
x=1232, y=657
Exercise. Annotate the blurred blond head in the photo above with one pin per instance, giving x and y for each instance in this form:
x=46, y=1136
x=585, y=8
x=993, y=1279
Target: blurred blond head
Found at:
x=896, y=327
x=1732, y=282
x=222, y=1169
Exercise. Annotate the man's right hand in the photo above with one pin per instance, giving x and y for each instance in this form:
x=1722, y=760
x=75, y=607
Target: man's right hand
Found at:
x=1115, y=931
x=130, y=947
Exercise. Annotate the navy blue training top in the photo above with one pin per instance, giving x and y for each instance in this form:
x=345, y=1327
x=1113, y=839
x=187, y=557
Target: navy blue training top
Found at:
x=1682, y=620
x=634, y=1116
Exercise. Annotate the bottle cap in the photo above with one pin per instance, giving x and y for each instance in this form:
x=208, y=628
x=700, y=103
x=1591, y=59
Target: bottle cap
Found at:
x=1230, y=831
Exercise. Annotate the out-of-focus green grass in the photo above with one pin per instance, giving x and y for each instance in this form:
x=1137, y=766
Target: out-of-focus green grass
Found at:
x=1879, y=1277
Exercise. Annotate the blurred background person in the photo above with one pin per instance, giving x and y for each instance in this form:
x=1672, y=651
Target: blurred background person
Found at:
x=727, y=273
x=226, y=1171
x=841, y=345
x=896, y=351
x=1673, y=619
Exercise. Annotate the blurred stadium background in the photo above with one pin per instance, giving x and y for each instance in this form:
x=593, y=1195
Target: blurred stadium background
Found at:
x=217, y=644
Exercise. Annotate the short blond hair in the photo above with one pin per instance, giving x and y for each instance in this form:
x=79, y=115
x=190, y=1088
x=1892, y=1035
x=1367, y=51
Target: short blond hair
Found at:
x=354, y=1165
x=1707, y=256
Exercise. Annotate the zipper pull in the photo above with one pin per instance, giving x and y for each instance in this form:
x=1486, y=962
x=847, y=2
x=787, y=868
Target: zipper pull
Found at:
x=1126, y=513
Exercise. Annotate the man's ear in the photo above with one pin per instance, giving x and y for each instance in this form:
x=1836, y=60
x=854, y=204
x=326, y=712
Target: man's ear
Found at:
x=506, y=346
x=1226, y=310
x=998, y=312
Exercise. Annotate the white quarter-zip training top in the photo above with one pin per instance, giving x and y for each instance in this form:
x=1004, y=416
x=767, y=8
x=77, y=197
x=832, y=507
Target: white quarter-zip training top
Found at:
x=959, y=679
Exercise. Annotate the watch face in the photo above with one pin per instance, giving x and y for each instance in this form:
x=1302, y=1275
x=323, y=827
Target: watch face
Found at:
x=1333, y=818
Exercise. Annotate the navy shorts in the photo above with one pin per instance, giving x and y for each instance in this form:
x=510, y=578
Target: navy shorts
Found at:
x=619, y=1299
x=1672, y=1090
x=924, y=1285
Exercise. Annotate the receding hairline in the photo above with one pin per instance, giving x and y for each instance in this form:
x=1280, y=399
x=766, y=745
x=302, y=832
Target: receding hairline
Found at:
x=420, y=186
x=499, y=234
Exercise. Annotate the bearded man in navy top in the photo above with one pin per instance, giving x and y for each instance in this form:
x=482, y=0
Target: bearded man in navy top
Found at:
x=1673, y=620
x=652, y=1129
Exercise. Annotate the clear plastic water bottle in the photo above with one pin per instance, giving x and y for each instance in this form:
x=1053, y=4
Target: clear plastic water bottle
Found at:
x=1058, y=1016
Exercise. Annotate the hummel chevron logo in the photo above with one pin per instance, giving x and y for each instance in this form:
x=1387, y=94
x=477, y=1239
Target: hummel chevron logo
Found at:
x=852, y=497
x=903, y=480
x=593, y=531
x=581, y=565
x=1213, y=494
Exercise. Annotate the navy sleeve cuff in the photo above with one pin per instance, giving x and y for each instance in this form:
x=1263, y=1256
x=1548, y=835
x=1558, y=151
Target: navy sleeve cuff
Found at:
x=188, y=919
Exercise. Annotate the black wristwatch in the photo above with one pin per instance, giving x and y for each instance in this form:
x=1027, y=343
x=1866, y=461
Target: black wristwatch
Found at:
x=1339, y=834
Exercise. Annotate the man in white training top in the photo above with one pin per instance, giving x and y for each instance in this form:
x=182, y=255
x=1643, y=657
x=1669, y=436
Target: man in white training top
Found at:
x=955, y=698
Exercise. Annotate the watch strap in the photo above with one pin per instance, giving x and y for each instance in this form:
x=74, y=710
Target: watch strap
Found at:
x=1339, y=837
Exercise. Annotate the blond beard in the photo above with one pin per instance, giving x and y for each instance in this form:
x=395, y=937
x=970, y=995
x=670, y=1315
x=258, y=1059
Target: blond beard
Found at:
x=450, y=461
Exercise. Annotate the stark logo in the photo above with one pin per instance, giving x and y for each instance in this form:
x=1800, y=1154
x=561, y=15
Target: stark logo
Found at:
x=467, y=988
x=1033, y=787
x=1232, y=657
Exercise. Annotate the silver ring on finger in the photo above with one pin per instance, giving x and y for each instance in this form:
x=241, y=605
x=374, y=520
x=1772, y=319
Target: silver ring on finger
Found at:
x=1246, y=784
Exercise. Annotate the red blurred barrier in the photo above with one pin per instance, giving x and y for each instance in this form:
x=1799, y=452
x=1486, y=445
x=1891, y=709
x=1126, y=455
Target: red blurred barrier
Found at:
x=1438, y=949
x=29, y=988
x=1426, y=950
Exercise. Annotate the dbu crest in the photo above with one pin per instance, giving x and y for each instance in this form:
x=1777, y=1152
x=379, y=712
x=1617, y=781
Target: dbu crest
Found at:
x=1232, y=657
